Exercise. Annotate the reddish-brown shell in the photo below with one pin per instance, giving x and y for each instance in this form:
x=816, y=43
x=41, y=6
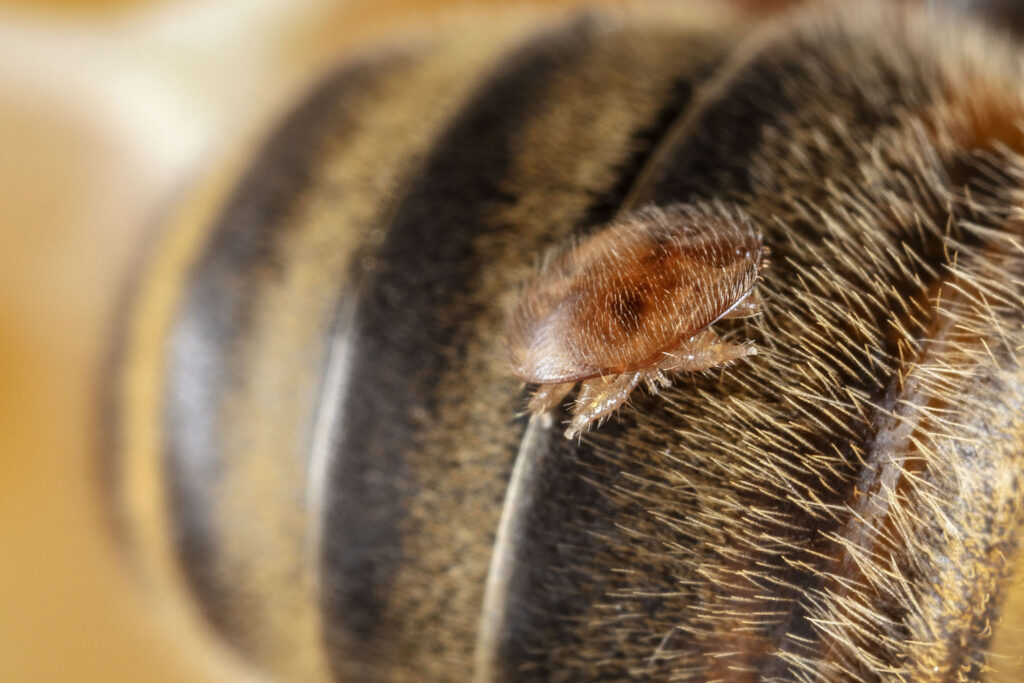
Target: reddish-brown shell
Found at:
x=635, y=289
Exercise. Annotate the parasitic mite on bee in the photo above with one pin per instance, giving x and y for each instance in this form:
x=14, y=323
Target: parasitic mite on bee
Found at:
x=316, y=416
x=634, y=303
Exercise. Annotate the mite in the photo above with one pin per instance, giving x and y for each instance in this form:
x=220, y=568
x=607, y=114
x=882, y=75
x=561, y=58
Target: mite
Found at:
x=632, y=303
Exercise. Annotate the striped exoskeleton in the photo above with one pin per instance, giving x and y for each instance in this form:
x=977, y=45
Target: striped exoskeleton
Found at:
x=321, y=443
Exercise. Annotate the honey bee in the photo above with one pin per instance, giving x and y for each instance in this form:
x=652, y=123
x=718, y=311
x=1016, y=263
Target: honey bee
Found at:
x=320, y=454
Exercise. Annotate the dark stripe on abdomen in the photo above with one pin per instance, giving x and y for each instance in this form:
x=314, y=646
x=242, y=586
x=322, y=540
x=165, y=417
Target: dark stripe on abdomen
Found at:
x=405, y=336
x=203, y=363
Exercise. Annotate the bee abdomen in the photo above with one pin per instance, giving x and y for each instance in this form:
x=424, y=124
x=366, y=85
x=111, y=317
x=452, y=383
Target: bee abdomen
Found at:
x=319, y=430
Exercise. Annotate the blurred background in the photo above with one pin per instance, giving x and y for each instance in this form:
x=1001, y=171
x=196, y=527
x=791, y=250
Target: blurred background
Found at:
x=111, y=112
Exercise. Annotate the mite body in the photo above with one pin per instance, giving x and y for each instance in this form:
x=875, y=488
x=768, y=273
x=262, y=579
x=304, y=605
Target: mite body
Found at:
x=632, y=303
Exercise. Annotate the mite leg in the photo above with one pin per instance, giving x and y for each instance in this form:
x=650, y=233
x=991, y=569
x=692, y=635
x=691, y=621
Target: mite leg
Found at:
x=656, y=380
x=748, y=306
x=547, y=397
x=703, y=351
x=599, y=397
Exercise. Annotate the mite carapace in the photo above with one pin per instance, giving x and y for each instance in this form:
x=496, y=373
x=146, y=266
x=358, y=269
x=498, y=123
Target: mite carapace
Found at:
x=634, y=302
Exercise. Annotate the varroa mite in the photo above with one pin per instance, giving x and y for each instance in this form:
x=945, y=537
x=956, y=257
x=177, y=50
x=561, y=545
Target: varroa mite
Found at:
x=632, y=303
